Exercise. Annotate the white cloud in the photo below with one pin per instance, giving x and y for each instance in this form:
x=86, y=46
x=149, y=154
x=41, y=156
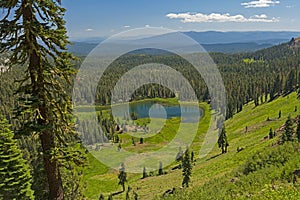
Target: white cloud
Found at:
x=259, y=3
x=88, y=30
x=216, y=17
x=147, y=25
x=262, y=16
x=126, y=26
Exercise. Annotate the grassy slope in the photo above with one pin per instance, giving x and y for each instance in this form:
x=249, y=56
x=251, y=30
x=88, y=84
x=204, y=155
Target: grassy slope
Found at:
x=214, y=165
x=100, y=179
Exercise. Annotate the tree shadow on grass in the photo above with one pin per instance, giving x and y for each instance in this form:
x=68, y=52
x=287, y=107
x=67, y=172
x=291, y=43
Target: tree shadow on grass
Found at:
x=117, y=193
x=213, y=157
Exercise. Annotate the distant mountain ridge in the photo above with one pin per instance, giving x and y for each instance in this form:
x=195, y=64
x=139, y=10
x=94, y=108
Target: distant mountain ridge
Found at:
x=212, y=41
x=212, y=37
x=83, y=49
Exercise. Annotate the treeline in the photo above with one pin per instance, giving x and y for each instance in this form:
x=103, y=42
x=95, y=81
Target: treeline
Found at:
x=260, y=77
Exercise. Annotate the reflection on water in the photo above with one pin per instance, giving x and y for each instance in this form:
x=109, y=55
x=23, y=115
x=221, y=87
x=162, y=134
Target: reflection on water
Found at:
x=154, y=109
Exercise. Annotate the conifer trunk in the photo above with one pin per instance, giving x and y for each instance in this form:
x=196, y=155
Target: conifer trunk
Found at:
x=52, y=168
x=37, y=83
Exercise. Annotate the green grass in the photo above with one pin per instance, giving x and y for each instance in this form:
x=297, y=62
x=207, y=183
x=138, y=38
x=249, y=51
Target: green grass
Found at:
x=213, y=166
x=92, y=185
x=258, y=127
x=105, y=181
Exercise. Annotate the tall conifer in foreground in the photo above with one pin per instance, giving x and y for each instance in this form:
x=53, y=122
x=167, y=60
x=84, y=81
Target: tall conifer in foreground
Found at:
x=15, y=178
x=34, y=31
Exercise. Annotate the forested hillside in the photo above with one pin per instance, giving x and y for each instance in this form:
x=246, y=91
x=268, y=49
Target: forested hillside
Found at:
x=60, y=138
x=260, y=77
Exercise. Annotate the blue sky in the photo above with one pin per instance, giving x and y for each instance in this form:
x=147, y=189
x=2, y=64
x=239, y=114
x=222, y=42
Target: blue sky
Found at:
x=98, y=18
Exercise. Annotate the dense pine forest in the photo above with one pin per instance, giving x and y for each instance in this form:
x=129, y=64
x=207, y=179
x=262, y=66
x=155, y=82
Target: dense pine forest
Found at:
x=41, y=152
x=261, y=77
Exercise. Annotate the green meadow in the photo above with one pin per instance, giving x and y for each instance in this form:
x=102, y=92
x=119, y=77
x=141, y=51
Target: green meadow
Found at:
x=214, y=168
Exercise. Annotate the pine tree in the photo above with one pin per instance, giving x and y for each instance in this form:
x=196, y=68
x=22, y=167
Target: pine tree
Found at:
x=290, y=82
x=132, y=141
x=298, y=129
x=279, y=114
x=31, y=153
x=271, y=135
x=160, y=168
x=35, y=33
x=256, y=100
x=145, y=173
x=15, y=178
x=289, y=130
x=122, y=176
x=278, y=85
x=222, y=141
x=101, y=197
x=186, y=168
x=141, y=140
